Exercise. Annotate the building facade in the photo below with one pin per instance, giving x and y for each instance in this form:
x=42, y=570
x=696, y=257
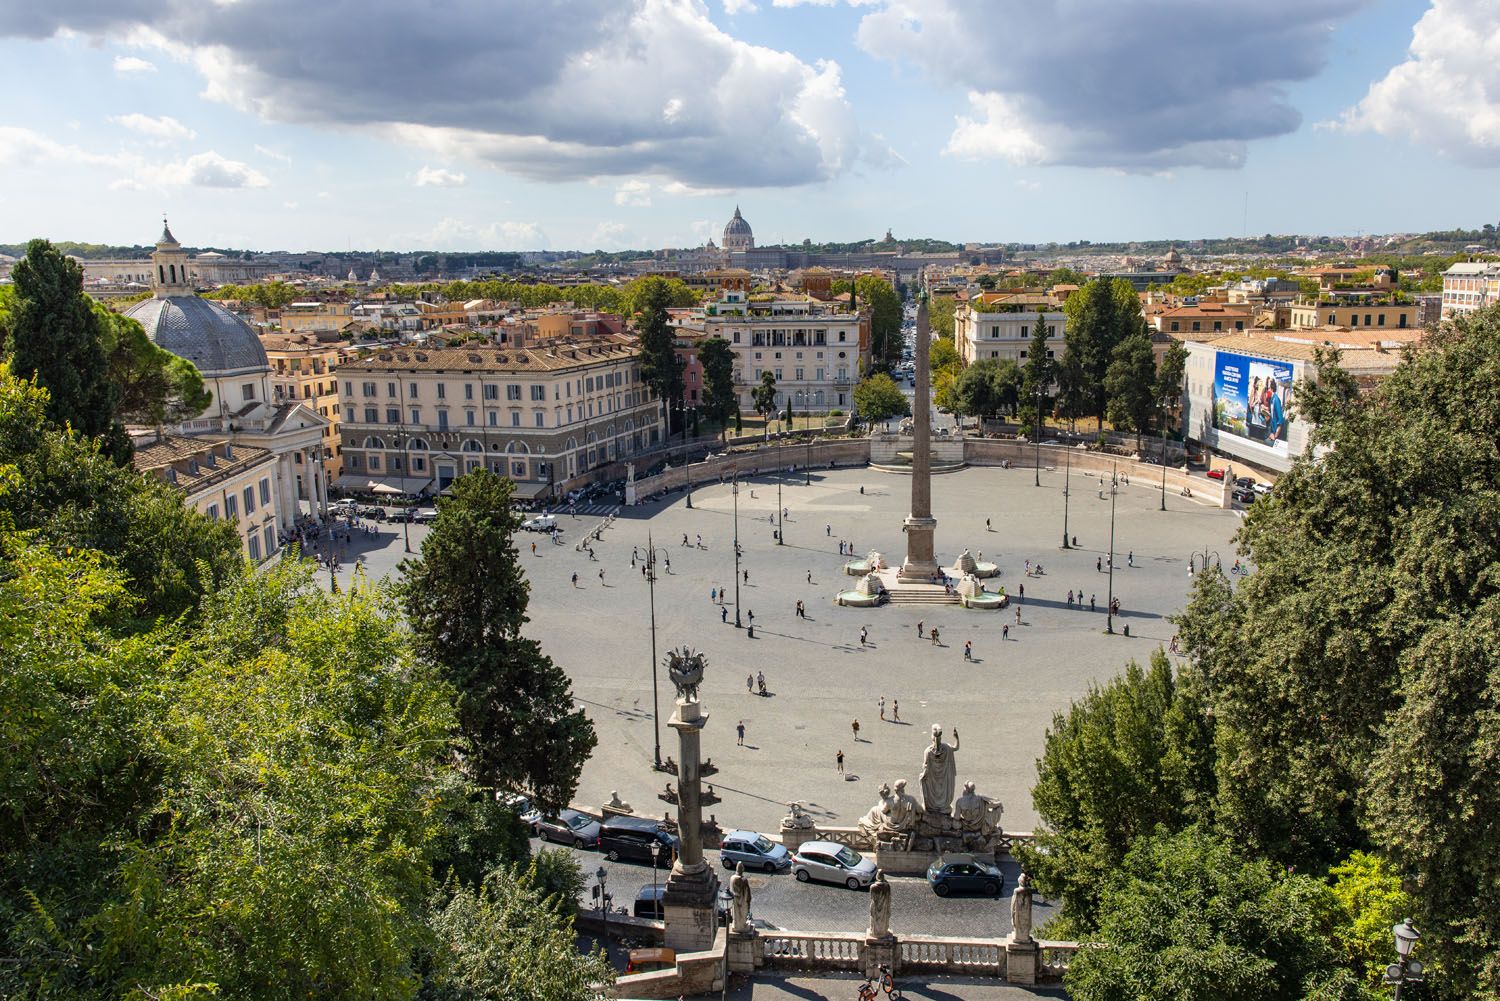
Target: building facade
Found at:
x=1470, y=285
x=1002, y=327
x=304, y=369
x=225, y=481
x=414, y=419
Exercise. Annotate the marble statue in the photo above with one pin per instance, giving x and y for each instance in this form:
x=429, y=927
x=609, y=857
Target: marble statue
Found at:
x=878, y=821
x=939, y=773
x=617, y=804
x=796, y=820
x=685, y=668
x=976, y=814
x=739, y=902
x=880, y=907
x=904, y=810
x=1020, y=911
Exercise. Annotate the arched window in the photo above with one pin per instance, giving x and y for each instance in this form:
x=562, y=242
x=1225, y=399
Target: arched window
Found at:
x=374, y=442
x=470, y=445
x=419, y=444
x=518, y=447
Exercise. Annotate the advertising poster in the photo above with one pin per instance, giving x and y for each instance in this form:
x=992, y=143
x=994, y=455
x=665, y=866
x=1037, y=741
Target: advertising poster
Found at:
x=1253, y=399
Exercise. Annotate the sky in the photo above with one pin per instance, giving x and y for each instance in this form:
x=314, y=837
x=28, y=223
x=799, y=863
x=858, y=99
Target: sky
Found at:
x=618, y=124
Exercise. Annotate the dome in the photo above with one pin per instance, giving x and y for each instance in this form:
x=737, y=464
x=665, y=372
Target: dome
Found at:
x=737, y=233
x=208, y=335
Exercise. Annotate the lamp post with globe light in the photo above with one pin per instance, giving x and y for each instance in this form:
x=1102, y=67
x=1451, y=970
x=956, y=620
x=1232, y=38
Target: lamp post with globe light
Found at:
x=1404, y=970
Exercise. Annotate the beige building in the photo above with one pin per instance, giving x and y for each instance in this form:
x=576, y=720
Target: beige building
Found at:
x=234, y=366
x=1353, y=313
x=1001, y=325
x=222, y=480
x=316, y=317
x=1207, y=318
x=303, y=369
x=1470, y=285
x=545, y=414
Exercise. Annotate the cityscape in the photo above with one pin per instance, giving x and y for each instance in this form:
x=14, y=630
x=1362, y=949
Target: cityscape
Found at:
x=767, y=503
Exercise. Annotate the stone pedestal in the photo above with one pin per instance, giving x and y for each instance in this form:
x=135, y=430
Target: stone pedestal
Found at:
x=688, y=904
x=878, y=952
x=920, y=563
x=745, y=953
x=689, y=909
x=1021, y=961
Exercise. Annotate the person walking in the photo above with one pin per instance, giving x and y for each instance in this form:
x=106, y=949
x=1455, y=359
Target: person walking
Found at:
x=1099, y=565
x=895, y=710
x=986, y=524
x=747, y=574
x=740, y=729
x=749, y=684
x=968, y=650
x=750, y=615
x=723, y=613
x=919, y=628
x=713, y=596
x=882, y=698
x=855, y=727
x=1070, y=599
x=575, y=580
x=809, y=576
x=533, y=549
x=1091, y=602
x=1018, y=616
x=1021, y=592
x=864, y=636
x=839, y=760
x=934, y=634
x=1005, y=631
x=601, y=575
x=760, y=681
x=828, y=530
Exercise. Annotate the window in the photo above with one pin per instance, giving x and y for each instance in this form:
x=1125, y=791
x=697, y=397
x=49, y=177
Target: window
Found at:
x=270, y=537
x=368, y=389
x=442, y=390
x=393, y=415
x=416, y=415
x=411, y=391
x=374, y=462
x=1380, y=319
x=1025, y=331
x=442, y=420
x=212, y=511
x=468, y=390
x=248, y=390
x=254, y=548
x=418, y=464
x=1176, y=325
x=249, y=496
x=231, y=506
x=494, y=419
x=539, y=393
x=799, y=375
x=518, y=469
x=512, y=392
x=541, y=419
x=265, y=491
x=469, y=418
x=348, y=389
x=372, y=416
x=492, y=392
x=515, y=418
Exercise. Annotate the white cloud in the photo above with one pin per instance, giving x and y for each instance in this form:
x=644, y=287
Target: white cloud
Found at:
x=164, y=128
x=456, y=234
x=608, y=236
x=208, y=170
x=678, y=188
x=633, y=192
x=1138, y=85
x=733, y=7
x=440, y=177
x=1446, y=95
x=632, y=87
x=266, y=151
x=131, y=65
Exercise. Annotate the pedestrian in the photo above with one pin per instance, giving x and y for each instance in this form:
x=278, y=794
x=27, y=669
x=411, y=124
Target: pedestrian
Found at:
x=601, y=575
x=668, y=561
x=713, y=596
x=839, y=760
x=684, y=538
x=1130, y=558
x=1018, y=616
x=533, y=549
x=1099, y=565
x=760, y=681
x=747, y=573
x=895, y=710
x=864, y=635
x=968, y=650
x=809, y=576
x=986, y=524
x=935, y=641
x=575, y=580
x=723, y=613
x=749, y=684
x=1070, y=599
x=1091, y=602
x=828, y=530
x=740, y=729
x=700, y=542
x=882, y=698
x=751, y=616
x=1021, y=592
x=919, y=629
x=855, y=727
x=1005, y=631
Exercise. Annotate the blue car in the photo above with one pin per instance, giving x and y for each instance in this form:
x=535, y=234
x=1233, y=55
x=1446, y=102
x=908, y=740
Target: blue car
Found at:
x=964, y=874
x=758, y=852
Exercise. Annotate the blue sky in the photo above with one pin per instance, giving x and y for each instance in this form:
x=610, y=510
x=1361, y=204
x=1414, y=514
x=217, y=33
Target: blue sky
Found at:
x=477, y=124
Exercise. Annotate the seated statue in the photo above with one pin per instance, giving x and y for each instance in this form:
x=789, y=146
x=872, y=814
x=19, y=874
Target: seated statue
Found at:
x=978, y=816
x=904, y=814
x=877, y=822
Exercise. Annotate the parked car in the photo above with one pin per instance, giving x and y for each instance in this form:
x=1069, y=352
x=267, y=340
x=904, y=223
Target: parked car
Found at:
x=631, y=838
x=342, y=507
x=371, y=511
x=425, y=515
x=757, y=851
x=404, y=514
x=541, y=523
x=1244, y=495
x=1245, y=482
x=828, y=862
x=1262, y=488
x=1216, y=474
x=964, y=874
x=569, y=827
x=648, y=901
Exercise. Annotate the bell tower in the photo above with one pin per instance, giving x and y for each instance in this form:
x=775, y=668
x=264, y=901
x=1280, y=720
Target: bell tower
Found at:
x=170, y=266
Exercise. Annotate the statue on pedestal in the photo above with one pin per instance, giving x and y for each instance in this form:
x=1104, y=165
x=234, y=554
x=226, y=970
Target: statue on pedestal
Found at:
x=685, y=668
x=939, y=773
x=880, y=907
x=878, y=821
x=617, y=804
x=1020, y=911
x=978, y=817
x=904, y=814
x=739, y=903
x=796, y=820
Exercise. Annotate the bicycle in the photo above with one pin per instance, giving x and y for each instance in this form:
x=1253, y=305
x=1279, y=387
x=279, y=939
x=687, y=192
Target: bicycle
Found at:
x=867, y=991
x=1240, y=571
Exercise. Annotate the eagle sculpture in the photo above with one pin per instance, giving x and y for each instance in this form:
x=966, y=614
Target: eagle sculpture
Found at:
x=685, y=668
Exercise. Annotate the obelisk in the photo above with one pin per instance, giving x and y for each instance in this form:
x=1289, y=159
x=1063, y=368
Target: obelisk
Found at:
x=920, y=525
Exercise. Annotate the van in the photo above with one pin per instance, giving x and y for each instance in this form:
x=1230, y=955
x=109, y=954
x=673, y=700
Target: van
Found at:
x=630, y=839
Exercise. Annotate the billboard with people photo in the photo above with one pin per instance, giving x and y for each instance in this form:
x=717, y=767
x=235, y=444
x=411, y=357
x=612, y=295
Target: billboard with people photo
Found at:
x=1253, y=399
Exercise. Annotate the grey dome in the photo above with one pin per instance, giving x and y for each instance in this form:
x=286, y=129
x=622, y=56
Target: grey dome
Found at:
x=205, y=333
x=737, y=226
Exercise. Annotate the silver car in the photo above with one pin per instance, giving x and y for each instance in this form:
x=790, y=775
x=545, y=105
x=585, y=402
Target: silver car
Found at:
x=569, y=827
x=828, y=862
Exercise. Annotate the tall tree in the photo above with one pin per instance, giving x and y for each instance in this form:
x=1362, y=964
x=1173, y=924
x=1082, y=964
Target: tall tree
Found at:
x=54, y=338
x=1039, y=372
x=466, y=600
x=878, y=398
x=719, y=400
x=660, y=366
x=1132, y=386
x=154, y=386
x=1169, y=376
x=988, y=388
x=764, y=397
x=876, y=294
x=1101, y=315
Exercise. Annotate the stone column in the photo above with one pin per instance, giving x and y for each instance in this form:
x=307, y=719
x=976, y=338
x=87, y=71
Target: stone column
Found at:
x=920, y=525
x=320, y=481
x=693, y=886
x=286, y=490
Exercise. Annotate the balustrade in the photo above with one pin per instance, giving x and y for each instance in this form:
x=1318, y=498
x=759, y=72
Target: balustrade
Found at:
x=811, y=950
x=939, y=955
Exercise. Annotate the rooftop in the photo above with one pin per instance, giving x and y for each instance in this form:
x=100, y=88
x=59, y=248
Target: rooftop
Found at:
x=193, y=464
x=549, y=357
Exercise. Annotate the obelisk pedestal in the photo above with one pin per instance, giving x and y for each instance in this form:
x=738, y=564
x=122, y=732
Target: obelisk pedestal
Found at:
x=921, y=562
x=688, y=903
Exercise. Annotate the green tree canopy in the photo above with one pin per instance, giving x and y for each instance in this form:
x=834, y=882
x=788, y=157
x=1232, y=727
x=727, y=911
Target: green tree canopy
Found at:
x=988, y=388
x=155, y=387
x=1131, y=383
x=660, y=366
x=466, y=600
x=878, y=398
x=764, y=394
x=719, y=400
x=879, y=296
x=1101, y=315
x=54, y=337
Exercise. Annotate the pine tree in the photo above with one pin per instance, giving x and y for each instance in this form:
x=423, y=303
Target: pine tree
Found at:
x=717, y=359
x=660, y=366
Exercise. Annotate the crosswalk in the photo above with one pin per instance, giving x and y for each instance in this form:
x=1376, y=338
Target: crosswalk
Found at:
x=588, y=509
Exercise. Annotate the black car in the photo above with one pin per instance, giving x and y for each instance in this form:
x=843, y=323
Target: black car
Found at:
x=964, y=874
x=1244, y=495
x=631, y=838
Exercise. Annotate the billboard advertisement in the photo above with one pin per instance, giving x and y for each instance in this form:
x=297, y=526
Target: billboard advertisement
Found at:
x=1253, y=399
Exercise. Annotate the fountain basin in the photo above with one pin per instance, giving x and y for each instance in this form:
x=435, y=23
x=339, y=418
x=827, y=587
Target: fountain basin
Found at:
x=859, y=599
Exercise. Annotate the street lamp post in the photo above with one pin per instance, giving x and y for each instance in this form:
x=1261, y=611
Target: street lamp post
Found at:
x=1218, y=561
x=655, y=862
x=1163, y=453
x=602, y=876
x=1109, y=609
x=734, y=488
x=1039, y=436
x=1067, y=490
x=651, y=551
x=780, y=515
x=1405, y=970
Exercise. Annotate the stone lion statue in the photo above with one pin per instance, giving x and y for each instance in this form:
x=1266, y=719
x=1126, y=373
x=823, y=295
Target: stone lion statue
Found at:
x=685, y=668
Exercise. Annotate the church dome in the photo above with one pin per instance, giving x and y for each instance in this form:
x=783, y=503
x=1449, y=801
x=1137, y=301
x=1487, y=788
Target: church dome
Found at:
x=219, y=343
x=737, y=233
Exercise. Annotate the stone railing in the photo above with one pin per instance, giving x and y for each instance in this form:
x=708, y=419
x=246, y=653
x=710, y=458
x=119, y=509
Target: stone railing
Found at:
x=1055, y=958
x=794, y=838
x=821, y=454
x=795, y=950
x=929, y=954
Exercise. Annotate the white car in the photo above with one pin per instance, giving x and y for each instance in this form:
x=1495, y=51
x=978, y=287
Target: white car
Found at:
x=541, y=523
x=828, y=862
